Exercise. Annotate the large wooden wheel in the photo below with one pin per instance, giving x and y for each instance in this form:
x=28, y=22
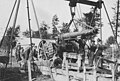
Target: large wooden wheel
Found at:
x=47, y=49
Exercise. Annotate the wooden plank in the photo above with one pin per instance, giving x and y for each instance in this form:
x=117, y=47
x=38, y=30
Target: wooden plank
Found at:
x=73, y=64
x=104, y=70
x=89, y=67
x=72, y=55
x=114, y=62
x=109, y=61
x=29, y=71
x=67, y=70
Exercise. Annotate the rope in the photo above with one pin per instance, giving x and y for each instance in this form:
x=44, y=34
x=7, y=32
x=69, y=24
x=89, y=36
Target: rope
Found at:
x=75, y=24
x=85, y=24
x=72, y=14
x=8, y=22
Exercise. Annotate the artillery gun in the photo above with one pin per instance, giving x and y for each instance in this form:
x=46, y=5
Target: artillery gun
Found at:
x=67, y=38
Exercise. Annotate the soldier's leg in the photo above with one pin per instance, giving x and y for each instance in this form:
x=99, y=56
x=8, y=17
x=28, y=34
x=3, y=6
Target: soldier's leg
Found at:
x=95, y=59
x=83, y=59
x=92, y=58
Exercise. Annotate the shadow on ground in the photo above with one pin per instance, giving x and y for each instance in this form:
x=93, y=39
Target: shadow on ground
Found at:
x=14, y=74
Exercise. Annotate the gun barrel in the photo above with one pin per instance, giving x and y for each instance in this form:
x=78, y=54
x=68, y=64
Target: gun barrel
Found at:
x=74, y=34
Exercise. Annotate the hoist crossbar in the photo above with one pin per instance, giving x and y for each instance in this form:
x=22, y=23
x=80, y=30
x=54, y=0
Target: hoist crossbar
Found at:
x=87, y=2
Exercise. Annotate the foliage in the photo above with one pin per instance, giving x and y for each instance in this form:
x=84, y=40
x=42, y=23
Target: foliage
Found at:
x=110, y=40
x=43, y=30
x=55, y=32
x=10, y=39
x=92, y=18
x=65, y=28
x=15, y=31
x=35, y=34
x=55, y=21
x=117, y=53
x=26, y=33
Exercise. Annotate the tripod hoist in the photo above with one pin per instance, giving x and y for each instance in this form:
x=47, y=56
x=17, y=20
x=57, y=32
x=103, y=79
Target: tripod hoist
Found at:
x=7, y=50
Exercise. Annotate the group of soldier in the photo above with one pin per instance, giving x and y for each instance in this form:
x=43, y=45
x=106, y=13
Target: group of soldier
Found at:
x=23, y=54
x=94, y=51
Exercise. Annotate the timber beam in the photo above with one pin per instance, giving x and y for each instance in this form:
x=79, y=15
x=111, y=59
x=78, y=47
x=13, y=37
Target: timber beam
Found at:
x=110, y=61
x=97, y=4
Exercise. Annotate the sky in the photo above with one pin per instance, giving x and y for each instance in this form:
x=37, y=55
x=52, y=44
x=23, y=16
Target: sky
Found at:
x=45, y=10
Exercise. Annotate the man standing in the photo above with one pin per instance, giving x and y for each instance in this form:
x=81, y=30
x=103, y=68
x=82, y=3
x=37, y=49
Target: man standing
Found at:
x=98, y=52
x=92, y=49
x=18, y=48
x=82, y=43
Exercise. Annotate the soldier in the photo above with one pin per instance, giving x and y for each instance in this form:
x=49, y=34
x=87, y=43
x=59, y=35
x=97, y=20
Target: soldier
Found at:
x=92, y=49
x=28, y=52
x=18, y=48
x=22, y=53
x=99, y=50
x=82, y=44
x=35, y=52
x=60, y=49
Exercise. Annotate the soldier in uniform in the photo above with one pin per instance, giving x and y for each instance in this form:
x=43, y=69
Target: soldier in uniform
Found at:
x=99, y=50
x=92, y=49
x=35, y=52
x=82, y=44
x=18, y=48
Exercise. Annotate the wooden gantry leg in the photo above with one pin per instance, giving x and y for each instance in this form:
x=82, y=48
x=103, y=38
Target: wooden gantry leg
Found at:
x=95, y=73
x=29, y=70
x=79, y=62
x=84, y=71
x=64, y=59
x=67, y=70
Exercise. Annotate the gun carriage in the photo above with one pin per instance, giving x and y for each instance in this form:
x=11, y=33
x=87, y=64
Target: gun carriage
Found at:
x=66, y=43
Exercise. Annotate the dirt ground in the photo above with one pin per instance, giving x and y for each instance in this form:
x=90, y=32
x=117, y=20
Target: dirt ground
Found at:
x=13, y=73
